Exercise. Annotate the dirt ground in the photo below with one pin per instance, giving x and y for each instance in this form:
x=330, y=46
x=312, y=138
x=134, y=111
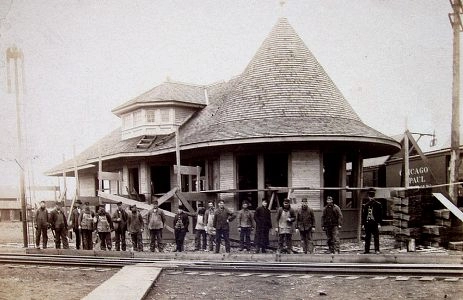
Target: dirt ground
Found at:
x=35, y=282
x=184, y=286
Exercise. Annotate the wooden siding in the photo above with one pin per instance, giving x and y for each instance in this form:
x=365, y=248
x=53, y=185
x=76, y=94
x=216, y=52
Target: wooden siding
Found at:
x=227, y=176
x=305, y=171
x=87, y=185
x=144, y=173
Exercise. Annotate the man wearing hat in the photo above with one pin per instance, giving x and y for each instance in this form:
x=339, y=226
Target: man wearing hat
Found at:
x=75, y=213
x=156, y=221
x=332, y=222
x=371, y=220
x=221, y=221
x=41, y=225
x=120, y=227
x=305, y=224
x=135, y=227
x=181, y=223
x=263, y=220
x=59, y=225
x=285, y=219
x=245, y=226
x=86, y=226
x=200, y=227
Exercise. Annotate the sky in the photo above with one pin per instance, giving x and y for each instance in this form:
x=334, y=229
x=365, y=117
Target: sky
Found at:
x=391, y=59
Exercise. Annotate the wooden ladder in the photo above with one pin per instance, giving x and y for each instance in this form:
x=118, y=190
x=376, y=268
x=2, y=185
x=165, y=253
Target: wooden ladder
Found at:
x=146, y=141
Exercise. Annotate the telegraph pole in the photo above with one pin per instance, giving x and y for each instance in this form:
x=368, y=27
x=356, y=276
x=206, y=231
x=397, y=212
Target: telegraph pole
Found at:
x=455, y=21
x=14, y=54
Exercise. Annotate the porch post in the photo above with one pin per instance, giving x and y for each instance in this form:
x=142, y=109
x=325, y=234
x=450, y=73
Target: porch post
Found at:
x=144, y=179
x=260, y=179
x=342, y=181
x=125, y=180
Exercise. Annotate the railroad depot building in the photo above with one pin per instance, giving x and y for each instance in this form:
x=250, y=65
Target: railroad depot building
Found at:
x=281, y=123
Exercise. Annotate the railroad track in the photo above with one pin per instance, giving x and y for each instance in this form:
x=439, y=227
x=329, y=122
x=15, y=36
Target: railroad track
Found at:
x=438, y=270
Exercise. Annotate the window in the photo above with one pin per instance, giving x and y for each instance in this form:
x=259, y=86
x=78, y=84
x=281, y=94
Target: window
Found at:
x=150, y=116
x=137, y=118
x=127, y=121
x=165, y=115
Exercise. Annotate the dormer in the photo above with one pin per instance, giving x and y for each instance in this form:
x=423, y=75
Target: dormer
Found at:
x=160, y=110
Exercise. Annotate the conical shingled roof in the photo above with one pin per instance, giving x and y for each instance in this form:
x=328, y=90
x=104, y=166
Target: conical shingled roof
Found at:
x=284, y=80
x=283, y=92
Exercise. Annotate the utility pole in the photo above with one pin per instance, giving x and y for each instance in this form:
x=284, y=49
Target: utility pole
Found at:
x=455, y=21
x=14, y=54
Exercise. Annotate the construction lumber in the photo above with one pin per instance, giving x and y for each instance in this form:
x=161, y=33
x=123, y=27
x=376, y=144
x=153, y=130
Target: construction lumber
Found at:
x=456, y=246
x=442, y=214
x=447, y=203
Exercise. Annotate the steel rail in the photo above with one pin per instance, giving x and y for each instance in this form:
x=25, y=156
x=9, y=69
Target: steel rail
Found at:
x=452, y=270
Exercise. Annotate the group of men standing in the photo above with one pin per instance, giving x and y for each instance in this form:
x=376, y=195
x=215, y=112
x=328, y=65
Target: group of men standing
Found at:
x=83, y=222
x=211, y=227
x=215, y=224
x=288, y=221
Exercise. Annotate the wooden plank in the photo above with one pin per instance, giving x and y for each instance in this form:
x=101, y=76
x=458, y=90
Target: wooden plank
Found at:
x=127, y=201
x=36, y=188
x=447, y=203
x=167, y=195
x=185, y=202
x=271, y=200
x=442, y=214
x=187, y=170
x=109, y=176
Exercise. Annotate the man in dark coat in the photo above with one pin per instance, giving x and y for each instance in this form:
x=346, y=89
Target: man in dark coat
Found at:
x=263, y=220
x=75, y=213
x=41, y=225
x=181, y=223
x=120, y=227
x=59, y=225
x=305, y=223
x=135, y=227
x=332, y=222
x=371, y=220
x=222, y=218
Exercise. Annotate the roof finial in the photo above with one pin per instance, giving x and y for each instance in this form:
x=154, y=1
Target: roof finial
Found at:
x=282, y=8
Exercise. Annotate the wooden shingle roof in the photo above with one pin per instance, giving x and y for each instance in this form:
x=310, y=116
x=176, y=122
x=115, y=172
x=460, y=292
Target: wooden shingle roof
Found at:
x=168, y=92
x=283, y=92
